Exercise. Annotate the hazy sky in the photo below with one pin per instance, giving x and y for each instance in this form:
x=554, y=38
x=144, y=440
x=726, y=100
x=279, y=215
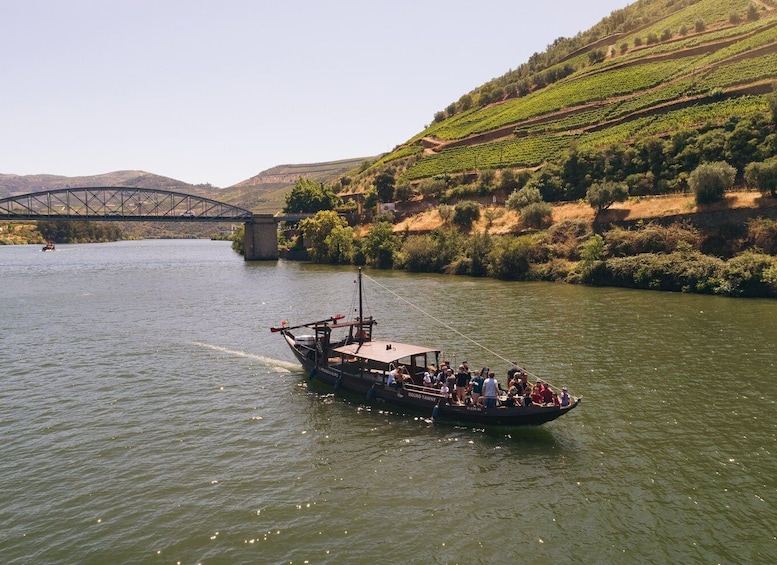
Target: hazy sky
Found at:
x=218, y=91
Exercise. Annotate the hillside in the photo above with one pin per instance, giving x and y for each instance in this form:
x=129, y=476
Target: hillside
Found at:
x=265, y=192
x=651, y=69
x=11, y=185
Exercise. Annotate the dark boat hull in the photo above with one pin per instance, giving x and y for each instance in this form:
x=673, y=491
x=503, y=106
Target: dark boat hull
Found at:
x=426, y=403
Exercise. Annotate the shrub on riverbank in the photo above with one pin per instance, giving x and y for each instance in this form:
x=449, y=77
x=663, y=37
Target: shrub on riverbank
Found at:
x=63, y=231
x=18, y=233
x=652, y=238
x=651, y=257
x=750, y=274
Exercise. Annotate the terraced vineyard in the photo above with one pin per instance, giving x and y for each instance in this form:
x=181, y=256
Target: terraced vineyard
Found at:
x=701, y=63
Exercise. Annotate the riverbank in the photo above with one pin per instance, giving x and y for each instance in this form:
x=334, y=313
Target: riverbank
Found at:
x=659, y=243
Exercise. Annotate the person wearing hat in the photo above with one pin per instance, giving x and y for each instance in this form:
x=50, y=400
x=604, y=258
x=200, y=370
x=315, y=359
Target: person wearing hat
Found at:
x=564, y=396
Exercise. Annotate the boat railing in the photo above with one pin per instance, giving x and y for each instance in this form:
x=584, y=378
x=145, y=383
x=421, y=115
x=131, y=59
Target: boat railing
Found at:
x=431, y=391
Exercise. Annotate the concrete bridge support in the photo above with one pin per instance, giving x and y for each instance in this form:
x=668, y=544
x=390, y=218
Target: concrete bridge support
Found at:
x=260, y=241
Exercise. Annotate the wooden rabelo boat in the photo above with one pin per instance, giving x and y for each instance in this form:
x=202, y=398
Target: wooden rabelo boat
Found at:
x=344, y=354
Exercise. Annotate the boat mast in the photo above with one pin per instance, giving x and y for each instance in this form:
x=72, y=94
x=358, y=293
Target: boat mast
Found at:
x=361, y=316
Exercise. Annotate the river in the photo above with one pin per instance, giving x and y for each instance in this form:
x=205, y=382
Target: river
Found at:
x=148, y=415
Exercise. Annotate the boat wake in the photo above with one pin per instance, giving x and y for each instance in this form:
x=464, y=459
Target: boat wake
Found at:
x=275, y=363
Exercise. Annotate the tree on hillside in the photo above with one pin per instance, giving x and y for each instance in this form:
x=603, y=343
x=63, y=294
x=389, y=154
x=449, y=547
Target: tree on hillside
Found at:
x=384, y=185
x=328, y=236
x=380, y=244
x=709, y=181
x=445, y=211
x=537, y=215
x=763, y=176
x=509, y=180
x=308, y=197
x=509, y=258
x=519, y=199
x=403, y=192
x=771, y=98
x=465, y=214
x=548, y=181
x=237, y=239
x=604, y=194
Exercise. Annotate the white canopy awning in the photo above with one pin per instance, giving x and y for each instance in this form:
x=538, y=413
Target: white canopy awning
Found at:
x=383, y=351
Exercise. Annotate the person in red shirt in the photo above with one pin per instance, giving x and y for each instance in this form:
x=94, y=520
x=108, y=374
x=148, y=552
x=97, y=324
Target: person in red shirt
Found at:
x=547, y=394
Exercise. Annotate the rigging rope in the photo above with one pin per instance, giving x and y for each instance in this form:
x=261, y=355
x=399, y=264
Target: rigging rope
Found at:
x=454, y=330
x=447, y=326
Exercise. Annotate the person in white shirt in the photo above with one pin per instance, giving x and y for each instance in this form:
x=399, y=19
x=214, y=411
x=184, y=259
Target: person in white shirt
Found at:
x=564, y=396
x=491, y=390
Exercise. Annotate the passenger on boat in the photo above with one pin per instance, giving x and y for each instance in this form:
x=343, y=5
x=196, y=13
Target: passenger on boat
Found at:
x=564, y=396
x=521, y=385
x=514, y=393
x=547, y=394
x=491, y=390
x=511, y=372
x=391, y=381
x=427, y=380
x=401, y=376
x=524, y=392
x=450, y=381
x=445, y=392
x=396, y=377
x=476, y=389
x=536, y=395
x=441, y=376
x=462, y=383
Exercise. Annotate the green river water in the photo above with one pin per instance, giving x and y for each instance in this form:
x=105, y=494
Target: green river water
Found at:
x=148, y=415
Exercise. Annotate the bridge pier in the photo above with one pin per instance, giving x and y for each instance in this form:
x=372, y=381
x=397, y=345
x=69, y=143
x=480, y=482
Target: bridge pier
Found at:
x=260, y=240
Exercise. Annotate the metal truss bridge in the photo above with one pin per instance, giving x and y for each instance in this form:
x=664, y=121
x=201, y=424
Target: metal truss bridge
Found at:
x=112, y=203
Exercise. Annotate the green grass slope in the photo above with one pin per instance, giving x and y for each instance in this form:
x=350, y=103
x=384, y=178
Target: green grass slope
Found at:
x=652, y=68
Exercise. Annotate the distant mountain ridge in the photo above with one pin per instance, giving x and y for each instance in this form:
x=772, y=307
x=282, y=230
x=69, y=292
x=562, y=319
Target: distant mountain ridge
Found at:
x=11, y=185
x=289, y=174
x=264, y=192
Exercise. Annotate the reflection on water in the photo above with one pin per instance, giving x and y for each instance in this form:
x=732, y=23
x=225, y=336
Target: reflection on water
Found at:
x=150, y=415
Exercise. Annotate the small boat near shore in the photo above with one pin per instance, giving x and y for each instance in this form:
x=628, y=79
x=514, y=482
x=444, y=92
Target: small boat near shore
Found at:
x=49, y=246
x=342, y=353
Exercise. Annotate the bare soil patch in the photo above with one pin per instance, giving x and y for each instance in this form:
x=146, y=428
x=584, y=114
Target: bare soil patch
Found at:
x=504, y=221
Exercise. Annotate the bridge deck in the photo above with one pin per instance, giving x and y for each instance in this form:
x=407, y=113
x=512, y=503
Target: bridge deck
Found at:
x=119, y=204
